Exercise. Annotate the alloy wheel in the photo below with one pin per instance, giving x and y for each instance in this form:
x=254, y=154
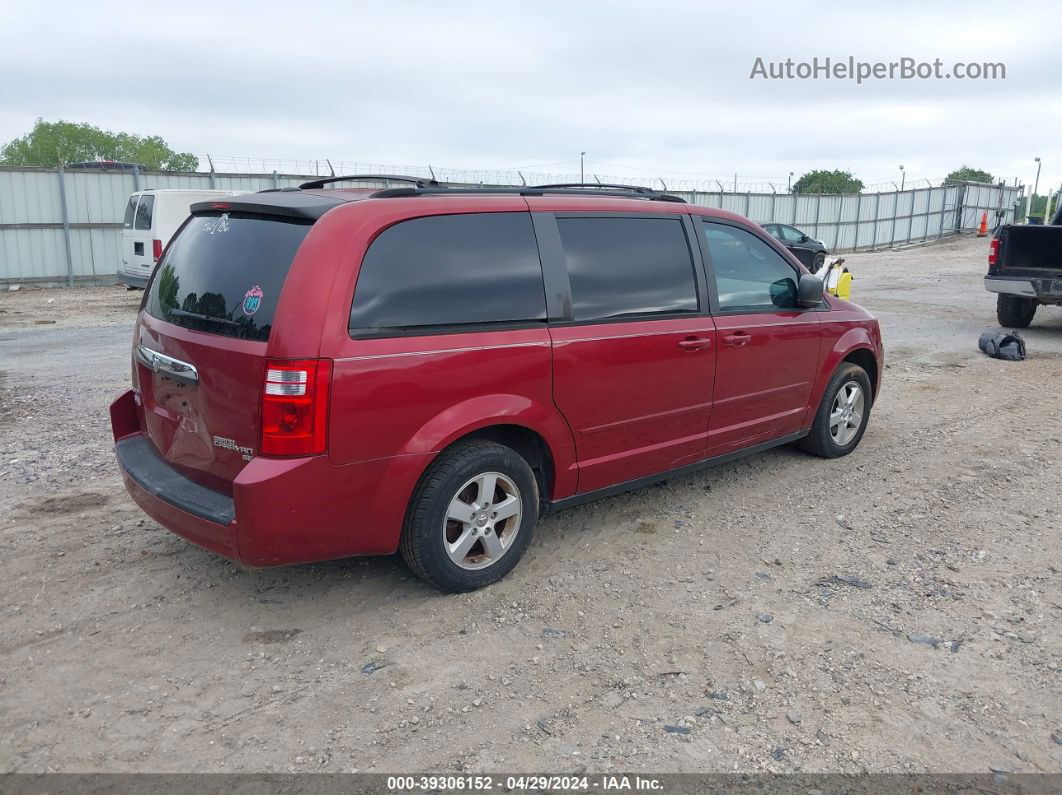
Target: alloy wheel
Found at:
x=846, y=417
x=482, y=521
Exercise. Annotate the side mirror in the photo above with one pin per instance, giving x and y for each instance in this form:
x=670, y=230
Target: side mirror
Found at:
x=804, y=238
x=809, y=291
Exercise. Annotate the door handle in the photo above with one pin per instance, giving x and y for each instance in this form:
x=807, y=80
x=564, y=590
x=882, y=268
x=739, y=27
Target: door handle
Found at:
x=738, y=339
x=695, y=343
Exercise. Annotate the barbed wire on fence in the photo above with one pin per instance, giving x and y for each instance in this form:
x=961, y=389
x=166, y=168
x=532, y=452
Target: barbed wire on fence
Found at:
x=328, y=167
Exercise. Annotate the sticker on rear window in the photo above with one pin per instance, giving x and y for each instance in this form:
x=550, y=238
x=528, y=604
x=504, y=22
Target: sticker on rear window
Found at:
x=219, y=224
x=252, y=299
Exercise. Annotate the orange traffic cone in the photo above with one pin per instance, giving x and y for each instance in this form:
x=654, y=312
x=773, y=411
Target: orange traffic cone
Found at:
x=982, y=230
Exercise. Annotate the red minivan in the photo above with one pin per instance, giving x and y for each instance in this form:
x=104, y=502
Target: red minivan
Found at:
x=320, y=373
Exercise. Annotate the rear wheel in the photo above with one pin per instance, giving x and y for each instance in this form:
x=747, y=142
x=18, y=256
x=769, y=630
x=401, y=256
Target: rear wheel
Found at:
x=1013, y=311
x=843, y=414
x=471, y=517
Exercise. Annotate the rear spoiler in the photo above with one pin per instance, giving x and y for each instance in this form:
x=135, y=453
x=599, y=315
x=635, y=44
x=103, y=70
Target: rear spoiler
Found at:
x=286, y=203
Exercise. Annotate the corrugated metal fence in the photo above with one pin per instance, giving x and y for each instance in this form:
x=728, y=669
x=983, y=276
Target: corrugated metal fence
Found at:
x=57, y=226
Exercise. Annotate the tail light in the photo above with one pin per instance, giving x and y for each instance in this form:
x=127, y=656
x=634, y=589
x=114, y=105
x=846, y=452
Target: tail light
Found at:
x=156, y=249
x=295, y=407
x=993, y=251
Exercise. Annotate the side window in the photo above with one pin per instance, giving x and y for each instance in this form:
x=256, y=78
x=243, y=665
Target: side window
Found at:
x=622, y=267
x=144, y=211
x=448, y=270
x=791, y=235
x=130, y=211
x=749, y=274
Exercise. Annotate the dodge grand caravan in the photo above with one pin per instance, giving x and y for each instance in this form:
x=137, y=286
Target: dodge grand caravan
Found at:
x=321, y=372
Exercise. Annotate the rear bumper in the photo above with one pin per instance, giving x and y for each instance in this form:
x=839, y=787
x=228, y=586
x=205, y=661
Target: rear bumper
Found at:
x=1010, y=286
x=133, y=280
x=282, y=511
x=139, y=462
x=1048, y=290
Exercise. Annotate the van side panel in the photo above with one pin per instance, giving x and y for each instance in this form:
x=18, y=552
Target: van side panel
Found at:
x=463, y=381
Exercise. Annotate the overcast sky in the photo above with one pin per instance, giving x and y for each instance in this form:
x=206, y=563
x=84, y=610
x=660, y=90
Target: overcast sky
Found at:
x=643, y=88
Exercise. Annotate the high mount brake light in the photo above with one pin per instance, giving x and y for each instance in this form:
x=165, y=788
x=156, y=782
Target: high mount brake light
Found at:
x=295, y=407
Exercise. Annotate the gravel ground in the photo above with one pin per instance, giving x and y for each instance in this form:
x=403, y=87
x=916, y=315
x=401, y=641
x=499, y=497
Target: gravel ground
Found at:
x=897, y=610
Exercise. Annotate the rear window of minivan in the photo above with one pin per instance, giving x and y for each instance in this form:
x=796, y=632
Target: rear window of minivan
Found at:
x=223, y=273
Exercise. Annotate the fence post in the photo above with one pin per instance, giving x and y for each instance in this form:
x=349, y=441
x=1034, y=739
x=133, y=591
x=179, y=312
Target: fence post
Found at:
x=877, y=211
x=774, y=200
x=859, y=213
x=66, y=228
x=960, y=198
x=895, y=212
x=276, y=181
x=136, y=177
x=910, y=220
x=818, y=212
x=943, y=206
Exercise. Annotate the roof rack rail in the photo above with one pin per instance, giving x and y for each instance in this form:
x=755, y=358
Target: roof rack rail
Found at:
x=576, y=189
x=605, y=185
x=418, y=181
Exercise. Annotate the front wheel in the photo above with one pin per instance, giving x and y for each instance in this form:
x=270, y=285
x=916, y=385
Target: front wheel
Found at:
x=818, y=262
x=1013, y=311
x=471, y=517
x=843, y=414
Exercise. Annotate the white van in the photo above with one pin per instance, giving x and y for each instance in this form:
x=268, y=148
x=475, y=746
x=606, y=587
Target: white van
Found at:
x=151, y=218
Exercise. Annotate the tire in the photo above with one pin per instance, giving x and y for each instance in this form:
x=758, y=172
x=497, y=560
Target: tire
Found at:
x=818, y=262
x=834, y=441
x=1013, y=311
x=457, y=555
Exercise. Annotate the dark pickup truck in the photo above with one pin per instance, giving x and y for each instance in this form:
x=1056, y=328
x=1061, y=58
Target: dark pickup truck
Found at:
x=1025, y=270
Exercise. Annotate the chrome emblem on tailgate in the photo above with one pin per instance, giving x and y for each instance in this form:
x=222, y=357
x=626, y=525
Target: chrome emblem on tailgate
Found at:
x=230, y=444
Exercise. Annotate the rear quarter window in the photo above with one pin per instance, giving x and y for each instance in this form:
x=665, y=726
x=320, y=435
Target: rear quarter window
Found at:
x=223, y=273
x=450, y=271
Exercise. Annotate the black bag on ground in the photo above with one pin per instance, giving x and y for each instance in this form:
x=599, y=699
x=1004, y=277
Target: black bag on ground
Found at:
x=1003, y=346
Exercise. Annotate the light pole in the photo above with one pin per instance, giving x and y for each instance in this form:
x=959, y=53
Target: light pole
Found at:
x=903, y=176
x=1036, y=184
x=582, y=176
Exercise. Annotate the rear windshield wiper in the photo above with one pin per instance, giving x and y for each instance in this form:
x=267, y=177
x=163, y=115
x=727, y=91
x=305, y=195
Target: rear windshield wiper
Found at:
x=197, y=316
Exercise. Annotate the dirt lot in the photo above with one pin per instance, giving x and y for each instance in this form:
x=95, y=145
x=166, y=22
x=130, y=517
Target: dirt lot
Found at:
x=897, y=610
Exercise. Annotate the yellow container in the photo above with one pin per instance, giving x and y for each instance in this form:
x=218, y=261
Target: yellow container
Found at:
x=844, y=286
x=837, y=279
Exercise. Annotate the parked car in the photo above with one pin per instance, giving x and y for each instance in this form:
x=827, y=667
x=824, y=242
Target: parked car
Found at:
x=320, y=373
x=1025, y=269
x=151, y=218
x=811, y=252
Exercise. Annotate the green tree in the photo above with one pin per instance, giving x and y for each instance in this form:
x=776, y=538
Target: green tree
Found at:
x=1039, y=207
x=822, y=181
x=967, y=174
x=55, y=143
